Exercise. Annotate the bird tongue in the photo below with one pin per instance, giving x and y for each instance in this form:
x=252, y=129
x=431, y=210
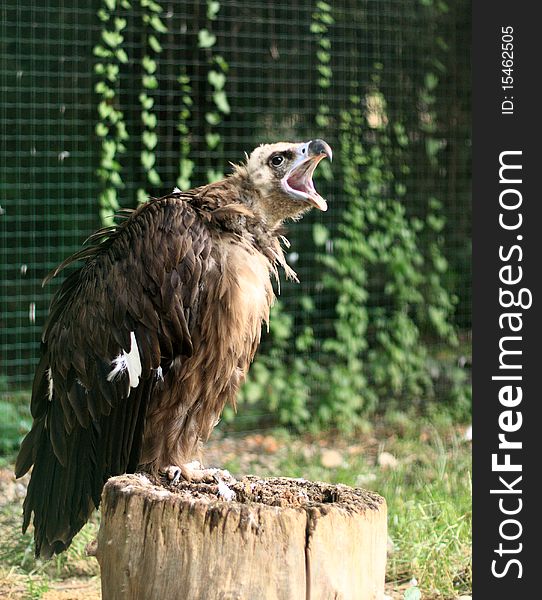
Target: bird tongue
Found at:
x=300, y=180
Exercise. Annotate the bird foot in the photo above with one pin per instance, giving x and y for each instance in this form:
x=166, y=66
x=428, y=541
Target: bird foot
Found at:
x=194, y=472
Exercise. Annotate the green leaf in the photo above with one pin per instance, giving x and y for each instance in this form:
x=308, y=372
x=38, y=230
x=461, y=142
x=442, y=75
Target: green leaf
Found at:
x=323, y=56
x=212, y=9
x=146, y=101
x=150, y=82
x=115, y=179
x=212, y=139
x=156, y=23
x=221, y=63
x=120, y=24
x=101, y=130
x=150, y=139
x=186, y=168
x=147, y=160
x=325, y=71
x=102, y=52
x=112, y=72
x=122, y=134
x=152, y=6
x=212, y=118
x=183, y=184
x=324, y=43
x=214, y=175
x=149, y=119
x=154, y=44
x=142, y=196
x=110, y=4
x=153, y=177
x=104, y=110
x=100, y=87
x=206, y=39
x=121, y=55
x=149, y=64
x=221, y=102
x=112, y=38
x=216, y=79
x=320, y=234
x=317, y=28
x=431, y=81
x=323, y=6
x=322, y=121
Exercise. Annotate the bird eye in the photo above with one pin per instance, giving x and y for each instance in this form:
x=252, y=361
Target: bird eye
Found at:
x=277, y=160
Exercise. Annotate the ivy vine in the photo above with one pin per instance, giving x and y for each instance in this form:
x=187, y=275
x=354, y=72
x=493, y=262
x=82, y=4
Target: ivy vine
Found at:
x=186, y=165
x=153, y=27
x=216, y=78
x=110, y=127
x=322, y=20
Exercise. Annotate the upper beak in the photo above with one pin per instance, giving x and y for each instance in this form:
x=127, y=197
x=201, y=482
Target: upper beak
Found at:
x=298, y=181
x=319, y=148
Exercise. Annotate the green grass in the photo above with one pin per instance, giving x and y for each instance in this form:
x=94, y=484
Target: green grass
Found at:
x=17, y=556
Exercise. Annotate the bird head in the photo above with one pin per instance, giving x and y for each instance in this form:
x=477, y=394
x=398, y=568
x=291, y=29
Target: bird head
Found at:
x=282, y=175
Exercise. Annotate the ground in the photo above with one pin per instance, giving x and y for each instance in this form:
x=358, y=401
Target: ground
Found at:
x=422, y=468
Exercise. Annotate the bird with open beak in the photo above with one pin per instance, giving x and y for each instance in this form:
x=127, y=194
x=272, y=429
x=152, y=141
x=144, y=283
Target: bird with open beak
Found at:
x=154, y=333
x=282, y=174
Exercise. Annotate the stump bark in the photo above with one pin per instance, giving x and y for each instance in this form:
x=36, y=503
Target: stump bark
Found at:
x=278, y=539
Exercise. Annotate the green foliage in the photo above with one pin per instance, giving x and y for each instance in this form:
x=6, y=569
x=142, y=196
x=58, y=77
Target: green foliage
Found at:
x=110, y=128
x=279, y=379
x=15, y=421
x=385, y=270
x=322, y=19
x=186, y=165
x=153, y=27
x=216, y=78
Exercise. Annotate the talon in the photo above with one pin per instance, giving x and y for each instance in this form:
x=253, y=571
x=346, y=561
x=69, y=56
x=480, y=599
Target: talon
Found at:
x=193, y=472
x=173, y=473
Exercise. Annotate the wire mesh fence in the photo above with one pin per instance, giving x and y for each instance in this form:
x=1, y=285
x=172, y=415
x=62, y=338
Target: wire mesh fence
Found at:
x=107, y=102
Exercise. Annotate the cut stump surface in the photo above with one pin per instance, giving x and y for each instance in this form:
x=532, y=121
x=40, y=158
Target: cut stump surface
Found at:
x=277, y=539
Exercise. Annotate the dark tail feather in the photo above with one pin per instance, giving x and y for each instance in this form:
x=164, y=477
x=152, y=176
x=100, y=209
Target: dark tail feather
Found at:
x=60, y=510
x=63, y=495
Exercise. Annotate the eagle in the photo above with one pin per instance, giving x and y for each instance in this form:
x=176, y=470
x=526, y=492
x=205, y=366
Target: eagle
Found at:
x=150, y=338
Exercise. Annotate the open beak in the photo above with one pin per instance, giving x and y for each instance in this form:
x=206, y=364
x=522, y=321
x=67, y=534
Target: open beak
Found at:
x=298, y=181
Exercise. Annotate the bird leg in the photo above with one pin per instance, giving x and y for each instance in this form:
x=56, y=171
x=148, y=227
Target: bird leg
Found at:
x=194, y=472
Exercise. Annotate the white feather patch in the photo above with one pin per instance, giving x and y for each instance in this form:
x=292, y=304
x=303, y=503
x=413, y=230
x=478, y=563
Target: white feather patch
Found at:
x=130, y=362
x=51, y=384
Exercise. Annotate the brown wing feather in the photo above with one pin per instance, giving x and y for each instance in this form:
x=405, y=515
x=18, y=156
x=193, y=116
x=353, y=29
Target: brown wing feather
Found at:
x=137, y=280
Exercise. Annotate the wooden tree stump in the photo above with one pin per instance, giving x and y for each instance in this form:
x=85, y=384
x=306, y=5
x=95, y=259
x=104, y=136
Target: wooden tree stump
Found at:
x=279, y=539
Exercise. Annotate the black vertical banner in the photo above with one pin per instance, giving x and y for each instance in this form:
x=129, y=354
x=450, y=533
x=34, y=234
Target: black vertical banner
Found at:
x=507, y=246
